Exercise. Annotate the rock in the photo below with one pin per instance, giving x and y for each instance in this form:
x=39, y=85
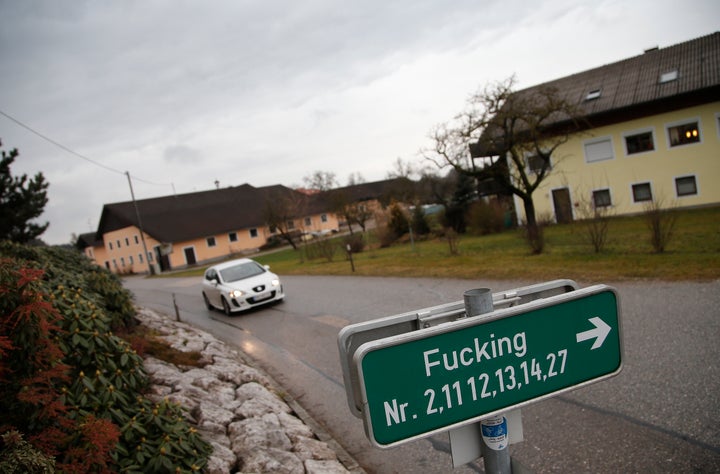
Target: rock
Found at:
x=263, y=432
x=251, y=429
x=324, y=467
x=308, y=448
x=270, y=460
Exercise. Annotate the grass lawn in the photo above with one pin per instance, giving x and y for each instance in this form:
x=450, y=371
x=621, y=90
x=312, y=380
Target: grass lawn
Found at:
x=692, y=254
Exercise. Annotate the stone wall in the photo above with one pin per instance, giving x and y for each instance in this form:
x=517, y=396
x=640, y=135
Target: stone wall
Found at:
x=236, y=408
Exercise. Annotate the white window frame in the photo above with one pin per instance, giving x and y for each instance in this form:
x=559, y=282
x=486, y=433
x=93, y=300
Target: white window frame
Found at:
x=595, y=141
x=678, y=123
x=253, y=233
x=697, y=186
x=214, y=241
x=323, y=218
x=529, y=169
x=308, y=221
x=232, y=237
x=592, y=197
x=639, y=131
x=632, y=192
x=593, y=94
x=668, y=76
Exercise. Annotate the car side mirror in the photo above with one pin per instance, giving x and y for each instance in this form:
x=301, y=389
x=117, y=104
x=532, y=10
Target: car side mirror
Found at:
x=267, y=267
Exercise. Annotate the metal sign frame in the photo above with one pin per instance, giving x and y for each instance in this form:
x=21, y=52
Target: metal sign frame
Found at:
x=351, y=337
x=541, y=304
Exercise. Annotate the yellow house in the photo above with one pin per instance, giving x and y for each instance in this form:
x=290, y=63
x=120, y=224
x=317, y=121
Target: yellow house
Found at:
x=195, y=228
x=653, y=135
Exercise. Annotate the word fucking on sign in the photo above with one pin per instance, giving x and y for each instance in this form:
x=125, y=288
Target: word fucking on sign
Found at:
x=422, y=382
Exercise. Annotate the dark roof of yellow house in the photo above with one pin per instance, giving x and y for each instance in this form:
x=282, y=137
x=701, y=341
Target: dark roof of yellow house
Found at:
x=194, y=215
x=662, y=79
x=659, y=80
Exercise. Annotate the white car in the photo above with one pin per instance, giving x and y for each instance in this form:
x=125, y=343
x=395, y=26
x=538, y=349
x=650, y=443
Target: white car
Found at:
x=239, y=285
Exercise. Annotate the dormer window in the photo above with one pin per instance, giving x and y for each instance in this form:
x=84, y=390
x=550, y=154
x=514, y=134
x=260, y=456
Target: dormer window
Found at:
x=593, y=94
x=668, y=76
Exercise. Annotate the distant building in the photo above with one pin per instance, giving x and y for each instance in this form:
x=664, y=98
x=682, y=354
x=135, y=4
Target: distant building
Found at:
x=653, y=134
x=202, y=227
x=189, y=229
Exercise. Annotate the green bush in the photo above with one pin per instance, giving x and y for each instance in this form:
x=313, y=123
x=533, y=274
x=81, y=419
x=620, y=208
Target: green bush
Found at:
x=398, y=223
x=355, y=241
x=17, y=456
x=419, y=221
x=486, y=218
x=85, y=402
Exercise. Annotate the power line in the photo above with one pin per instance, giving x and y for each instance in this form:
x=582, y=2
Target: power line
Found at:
x=72, y=152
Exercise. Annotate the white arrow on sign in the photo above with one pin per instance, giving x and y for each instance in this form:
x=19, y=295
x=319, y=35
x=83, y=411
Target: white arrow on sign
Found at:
x=600, y=332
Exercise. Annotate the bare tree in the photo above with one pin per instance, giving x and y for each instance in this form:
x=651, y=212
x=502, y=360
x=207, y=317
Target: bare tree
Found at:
x=283, y=207
x=321, y=180
x=402, y=169
x=505, y=139
x=355, y=179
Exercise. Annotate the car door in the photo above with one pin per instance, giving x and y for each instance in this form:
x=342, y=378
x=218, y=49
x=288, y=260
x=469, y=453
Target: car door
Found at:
x=212, y=289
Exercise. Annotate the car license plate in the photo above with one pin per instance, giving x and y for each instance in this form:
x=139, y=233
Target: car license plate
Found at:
x=262, y=297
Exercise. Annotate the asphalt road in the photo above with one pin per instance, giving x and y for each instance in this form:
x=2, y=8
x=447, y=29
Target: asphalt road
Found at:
x=661, y=414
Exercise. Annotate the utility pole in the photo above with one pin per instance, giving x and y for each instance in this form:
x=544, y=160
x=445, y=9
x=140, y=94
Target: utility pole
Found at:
x=142, y=232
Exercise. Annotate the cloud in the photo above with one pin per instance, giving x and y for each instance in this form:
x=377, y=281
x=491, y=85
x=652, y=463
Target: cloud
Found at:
x=183, y=93
x=181, y=154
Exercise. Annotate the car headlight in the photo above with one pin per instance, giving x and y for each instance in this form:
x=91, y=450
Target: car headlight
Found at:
x=236, y=293
x=276, y=282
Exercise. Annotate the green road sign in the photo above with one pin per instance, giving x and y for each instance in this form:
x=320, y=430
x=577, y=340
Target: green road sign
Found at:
x=426, y=381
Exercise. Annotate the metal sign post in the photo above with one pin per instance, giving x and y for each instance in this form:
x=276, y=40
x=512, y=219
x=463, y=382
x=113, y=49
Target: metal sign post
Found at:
x=494, y=444
x=466, y=369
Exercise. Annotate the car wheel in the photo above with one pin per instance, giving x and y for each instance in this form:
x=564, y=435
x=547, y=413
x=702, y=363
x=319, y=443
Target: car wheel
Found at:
x=207, y=302
x=226, y=306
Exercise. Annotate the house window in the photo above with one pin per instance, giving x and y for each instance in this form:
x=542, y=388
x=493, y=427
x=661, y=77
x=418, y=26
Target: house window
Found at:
x=535, y=164
x=593, y=94
x=323, y=218
x=601, y=198
x=122, y=261
x=232, y=237
x=127, y=242
x=132, y=261
x=254, y=233
x=290, y=225
x=686, y=186
x=150, y=257
x=599, y=150
x=110, y=244
x=107, y=264
x=210, y=241
x=641, y=192
x=115, y=263
x=668, y=76
x=639, y=142
x=684, y=134
x=118, y=243
x=137, y=240
x=308, y=221
x=140, y=259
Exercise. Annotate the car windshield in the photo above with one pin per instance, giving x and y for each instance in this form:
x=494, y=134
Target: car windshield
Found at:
x=241, y=271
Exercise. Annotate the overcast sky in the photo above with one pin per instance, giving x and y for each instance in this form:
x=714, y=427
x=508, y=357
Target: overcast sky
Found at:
x=182, y=93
